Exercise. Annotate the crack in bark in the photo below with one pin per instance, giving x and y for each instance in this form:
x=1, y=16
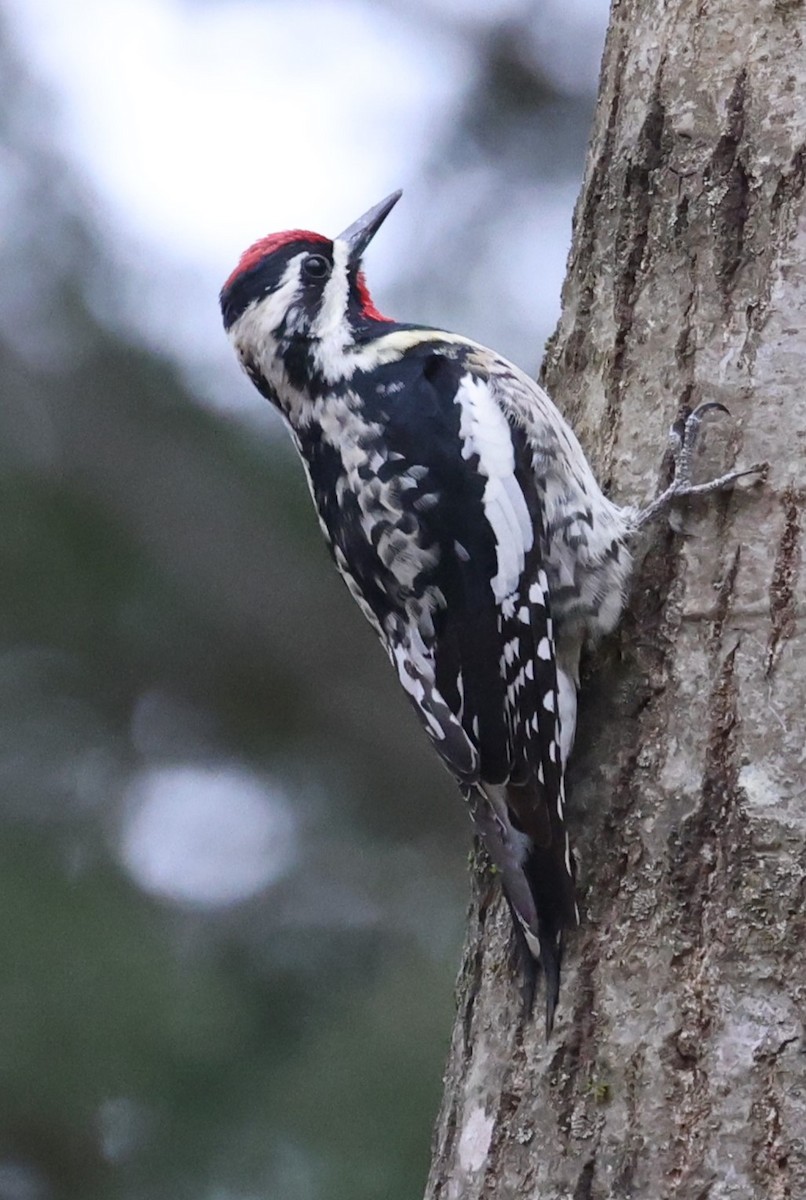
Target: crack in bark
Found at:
x=783, y=611
x=728, y=174
x=686, y=340
x=634, y=1144
x=470, y=974
x=584, y=1185
x=577, y=1054
x=724, y=601
x=771, y=1153
x=790, y=185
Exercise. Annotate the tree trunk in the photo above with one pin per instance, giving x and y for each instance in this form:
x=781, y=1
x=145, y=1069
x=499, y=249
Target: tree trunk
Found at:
x=677, y=1065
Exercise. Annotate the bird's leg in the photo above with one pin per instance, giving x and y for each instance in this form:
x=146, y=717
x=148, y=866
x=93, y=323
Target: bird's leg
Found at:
x=683, y=439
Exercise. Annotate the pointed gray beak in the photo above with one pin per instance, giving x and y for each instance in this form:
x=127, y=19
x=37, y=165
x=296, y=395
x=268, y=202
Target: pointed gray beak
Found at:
x=359, y=235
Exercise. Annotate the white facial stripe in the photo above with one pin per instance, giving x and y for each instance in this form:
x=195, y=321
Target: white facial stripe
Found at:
x=330, y=318
x=261, y=320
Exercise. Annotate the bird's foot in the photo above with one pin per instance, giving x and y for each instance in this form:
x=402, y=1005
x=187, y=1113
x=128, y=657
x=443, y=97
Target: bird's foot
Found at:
x=683, y=439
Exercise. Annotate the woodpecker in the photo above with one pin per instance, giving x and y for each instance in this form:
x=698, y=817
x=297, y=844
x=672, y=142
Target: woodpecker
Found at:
x=462, y=513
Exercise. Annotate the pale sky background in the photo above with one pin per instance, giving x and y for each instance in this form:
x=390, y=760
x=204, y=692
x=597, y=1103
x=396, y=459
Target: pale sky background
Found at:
x=201, y=127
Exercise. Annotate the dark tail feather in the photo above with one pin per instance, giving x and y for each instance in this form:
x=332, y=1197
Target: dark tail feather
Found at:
x=548, y=965
x=551, y=953
x=530, y=851
x=528, y=963
x=553, y=890
x=548, y=873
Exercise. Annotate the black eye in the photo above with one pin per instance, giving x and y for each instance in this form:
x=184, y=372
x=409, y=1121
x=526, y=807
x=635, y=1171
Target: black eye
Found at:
x=316, y=266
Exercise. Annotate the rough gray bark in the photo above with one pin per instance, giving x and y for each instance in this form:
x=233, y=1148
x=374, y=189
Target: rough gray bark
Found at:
x=677, y=1065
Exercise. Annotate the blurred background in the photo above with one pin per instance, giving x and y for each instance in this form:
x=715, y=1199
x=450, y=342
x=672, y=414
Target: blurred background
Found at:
x=232, y=872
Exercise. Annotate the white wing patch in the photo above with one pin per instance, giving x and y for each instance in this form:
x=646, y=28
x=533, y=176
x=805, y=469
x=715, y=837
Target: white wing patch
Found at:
x=567, y=697
x=486, y=433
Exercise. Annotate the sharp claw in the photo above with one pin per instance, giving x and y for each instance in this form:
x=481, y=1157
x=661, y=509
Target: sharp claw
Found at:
x=708, y=406
x=685, y=433
x=686, y=428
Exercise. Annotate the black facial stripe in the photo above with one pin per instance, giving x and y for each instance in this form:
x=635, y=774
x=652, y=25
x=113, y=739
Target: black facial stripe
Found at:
x=264, y=278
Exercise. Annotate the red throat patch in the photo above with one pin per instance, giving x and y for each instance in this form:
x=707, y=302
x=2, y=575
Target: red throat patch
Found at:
x=368, y=309
x=265, y=246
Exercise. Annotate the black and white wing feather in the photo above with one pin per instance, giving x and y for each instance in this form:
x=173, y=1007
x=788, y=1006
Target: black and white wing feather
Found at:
x=484, y=679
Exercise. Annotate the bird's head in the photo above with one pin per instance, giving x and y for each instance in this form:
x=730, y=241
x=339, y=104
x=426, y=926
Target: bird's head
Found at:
x=298, y=285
